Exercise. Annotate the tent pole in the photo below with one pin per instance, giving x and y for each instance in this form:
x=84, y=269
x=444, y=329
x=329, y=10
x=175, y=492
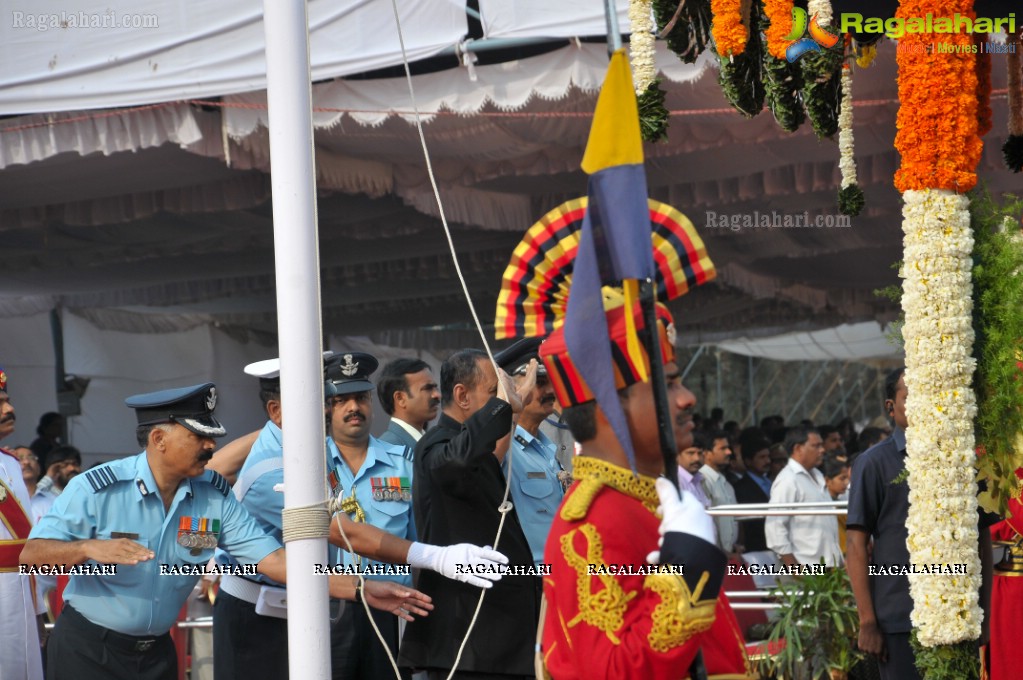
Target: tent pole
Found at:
x=831, y=388
x=297, y=266
x=751, y=416
x=717, y=356
x=752, y=391
x=809, y=387
x=692, y=362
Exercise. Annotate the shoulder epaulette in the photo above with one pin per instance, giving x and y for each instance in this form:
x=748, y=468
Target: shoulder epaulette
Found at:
x=521, y=440
x=409, y=453
x=218, y=482
x=101, y=477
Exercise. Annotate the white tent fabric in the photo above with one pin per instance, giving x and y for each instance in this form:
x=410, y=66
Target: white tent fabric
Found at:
x=118, y=364
x=508, y=87
x=91, y=54
x=549, y=18
x=848, y=342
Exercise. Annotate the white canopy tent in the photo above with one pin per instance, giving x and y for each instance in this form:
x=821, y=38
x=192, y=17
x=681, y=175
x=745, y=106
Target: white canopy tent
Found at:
x=866, y=341
x=152, y=223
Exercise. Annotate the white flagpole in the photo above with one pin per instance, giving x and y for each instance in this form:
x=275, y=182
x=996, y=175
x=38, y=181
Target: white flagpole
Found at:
x=293, y=184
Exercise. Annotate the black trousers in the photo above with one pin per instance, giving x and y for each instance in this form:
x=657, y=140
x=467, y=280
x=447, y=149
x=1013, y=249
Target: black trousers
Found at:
x=901, y=663
x=78, y=649
x=246, y=644
x=355, y=650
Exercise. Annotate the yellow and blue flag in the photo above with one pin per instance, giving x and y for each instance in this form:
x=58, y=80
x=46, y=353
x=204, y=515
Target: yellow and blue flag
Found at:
x=615, y=246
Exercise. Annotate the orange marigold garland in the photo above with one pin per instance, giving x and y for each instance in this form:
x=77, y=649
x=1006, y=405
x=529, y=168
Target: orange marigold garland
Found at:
x=937, y=120
x=730, y=34
x=779, y=26
x=983, y=86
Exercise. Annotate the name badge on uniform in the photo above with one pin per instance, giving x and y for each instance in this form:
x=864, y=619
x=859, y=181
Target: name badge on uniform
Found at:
x=391, y=488
x=536, y=475
x=198, y=533
x=124, y=534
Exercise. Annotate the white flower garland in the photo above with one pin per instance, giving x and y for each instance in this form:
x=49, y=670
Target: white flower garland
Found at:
x=641, y=44
x=938, y=333
x=847, y=162
x=821, y=8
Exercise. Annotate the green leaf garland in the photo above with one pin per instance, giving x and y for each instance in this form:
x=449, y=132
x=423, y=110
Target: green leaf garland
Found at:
x=691, y=33
x=998, y=344
x=653, y=115
x=822, y=88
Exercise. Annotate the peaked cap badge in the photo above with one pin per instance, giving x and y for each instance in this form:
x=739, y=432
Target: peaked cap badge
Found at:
x=349, y=368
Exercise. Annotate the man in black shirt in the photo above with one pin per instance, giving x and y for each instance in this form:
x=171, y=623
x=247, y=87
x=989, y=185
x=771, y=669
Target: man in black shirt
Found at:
x=458, y=488
x=878, y=509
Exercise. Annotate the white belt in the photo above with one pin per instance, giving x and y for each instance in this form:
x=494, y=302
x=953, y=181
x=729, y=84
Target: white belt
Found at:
x=241, y=588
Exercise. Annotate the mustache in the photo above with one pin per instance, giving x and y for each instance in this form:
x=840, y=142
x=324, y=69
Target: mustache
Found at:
x=434, y=402
x=9, y=418
x=205, y=456
x=683, y=417
x=549, y=399
x=354, y=416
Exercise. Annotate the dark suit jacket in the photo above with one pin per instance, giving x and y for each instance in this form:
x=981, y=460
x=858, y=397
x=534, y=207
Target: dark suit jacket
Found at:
x=457, y=488
x=396, y=434
x=747, y=491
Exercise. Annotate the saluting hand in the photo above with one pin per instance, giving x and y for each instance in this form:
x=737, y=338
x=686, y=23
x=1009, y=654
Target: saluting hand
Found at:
x=400, y=600
x=118, y=551
x=517, y=396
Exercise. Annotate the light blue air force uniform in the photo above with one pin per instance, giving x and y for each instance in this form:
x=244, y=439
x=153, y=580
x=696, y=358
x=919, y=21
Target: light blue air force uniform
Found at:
x=535, y=489
x=262, y=471
x=121, y=500
x=388, y=471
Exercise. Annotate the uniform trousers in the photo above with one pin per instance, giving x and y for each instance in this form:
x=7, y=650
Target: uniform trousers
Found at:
x=355, y=650
x=246, y=644
x=78, y=649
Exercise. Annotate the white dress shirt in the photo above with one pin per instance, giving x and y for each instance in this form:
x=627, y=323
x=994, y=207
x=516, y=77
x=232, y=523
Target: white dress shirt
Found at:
x=807, y=537
x=720, y=492
x=414, y=432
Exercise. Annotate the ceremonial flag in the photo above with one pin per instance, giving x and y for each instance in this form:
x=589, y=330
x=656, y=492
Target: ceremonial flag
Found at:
x=615, y=246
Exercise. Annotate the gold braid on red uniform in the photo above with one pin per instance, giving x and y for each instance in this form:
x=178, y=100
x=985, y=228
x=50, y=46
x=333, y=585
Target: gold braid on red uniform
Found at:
x=680, y=614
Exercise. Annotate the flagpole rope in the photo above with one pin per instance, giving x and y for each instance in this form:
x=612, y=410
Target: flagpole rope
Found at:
x=505, y=506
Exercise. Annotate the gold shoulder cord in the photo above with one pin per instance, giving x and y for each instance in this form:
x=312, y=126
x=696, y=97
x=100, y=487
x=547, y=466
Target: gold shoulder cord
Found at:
x=350, y=506
x=593, y=475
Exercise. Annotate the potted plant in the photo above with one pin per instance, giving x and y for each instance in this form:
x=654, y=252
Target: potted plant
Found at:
x=815, y=632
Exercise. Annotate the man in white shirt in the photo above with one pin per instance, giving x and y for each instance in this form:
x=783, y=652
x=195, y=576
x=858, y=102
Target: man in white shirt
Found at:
x=717, y=459
x=803, y=539
x=409, y=394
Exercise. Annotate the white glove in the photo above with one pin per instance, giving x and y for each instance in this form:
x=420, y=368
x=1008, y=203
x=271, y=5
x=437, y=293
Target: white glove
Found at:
x=684, y=515
x=462, y=562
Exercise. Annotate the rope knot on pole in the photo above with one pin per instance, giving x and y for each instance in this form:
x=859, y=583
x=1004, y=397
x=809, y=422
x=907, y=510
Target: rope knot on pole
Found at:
x=307, y=521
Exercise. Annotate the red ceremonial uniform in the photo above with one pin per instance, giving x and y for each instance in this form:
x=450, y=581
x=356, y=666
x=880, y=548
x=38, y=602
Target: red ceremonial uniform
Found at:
x=1006, y=653
x=602, y=623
